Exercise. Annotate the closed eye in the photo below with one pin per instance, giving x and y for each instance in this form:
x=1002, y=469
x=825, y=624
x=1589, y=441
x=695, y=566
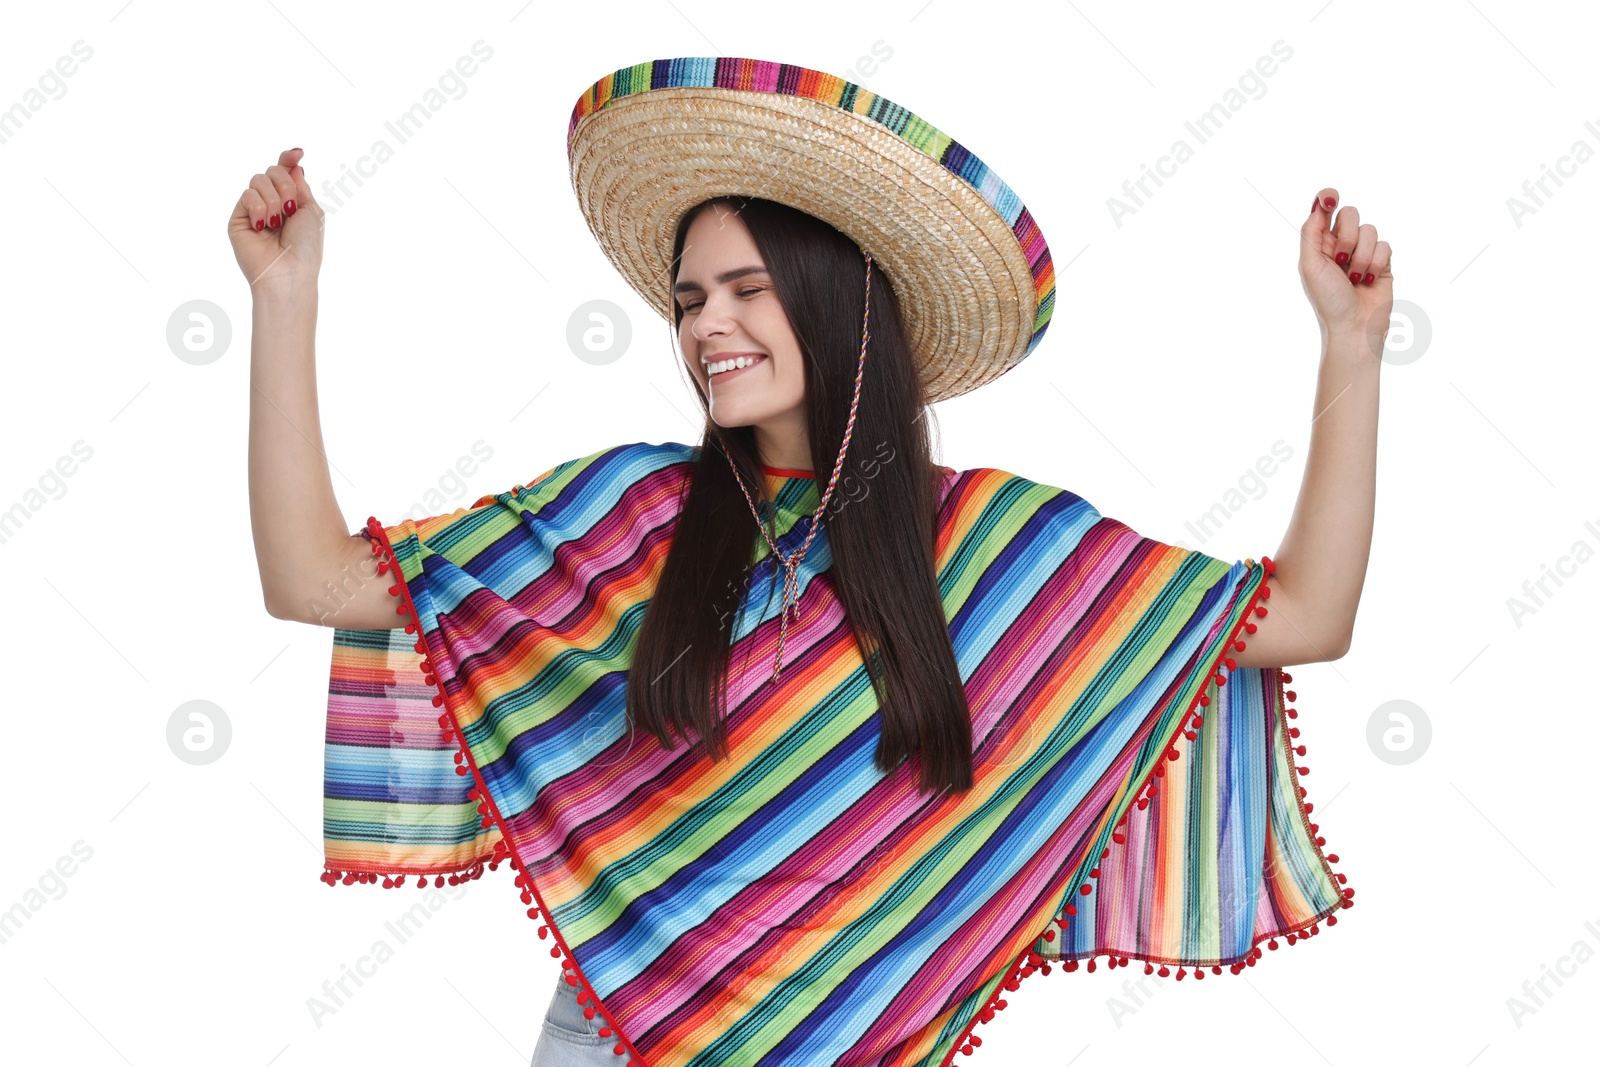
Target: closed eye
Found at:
x=742, y=292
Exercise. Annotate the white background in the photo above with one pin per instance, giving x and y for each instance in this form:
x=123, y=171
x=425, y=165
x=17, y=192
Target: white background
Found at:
x=1181, y=349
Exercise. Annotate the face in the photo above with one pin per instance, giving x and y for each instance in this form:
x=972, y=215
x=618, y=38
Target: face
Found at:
x=730, y=309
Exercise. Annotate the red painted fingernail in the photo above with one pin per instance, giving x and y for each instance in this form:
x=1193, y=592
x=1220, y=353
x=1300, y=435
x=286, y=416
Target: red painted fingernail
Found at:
x=273, y=222
x=1369, y=277
x=261, y=224
x=288, y=208
x=1355, y=276
x=1340, y=258
x=1328, y=202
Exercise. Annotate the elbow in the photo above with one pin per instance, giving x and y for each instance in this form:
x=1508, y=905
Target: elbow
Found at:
x=277, y=607
x=1335, y=644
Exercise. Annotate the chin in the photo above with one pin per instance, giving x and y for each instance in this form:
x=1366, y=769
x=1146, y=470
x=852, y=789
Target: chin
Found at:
x=730, y=417
x=730, y=414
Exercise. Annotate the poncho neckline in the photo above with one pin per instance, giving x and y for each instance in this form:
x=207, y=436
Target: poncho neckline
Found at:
x=793, y=491
x=794, y=905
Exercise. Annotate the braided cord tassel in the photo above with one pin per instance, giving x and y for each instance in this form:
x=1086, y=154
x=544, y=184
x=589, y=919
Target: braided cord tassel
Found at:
x=791, y=562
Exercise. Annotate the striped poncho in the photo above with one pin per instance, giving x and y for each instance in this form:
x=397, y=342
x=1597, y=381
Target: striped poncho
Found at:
x=1136, y=795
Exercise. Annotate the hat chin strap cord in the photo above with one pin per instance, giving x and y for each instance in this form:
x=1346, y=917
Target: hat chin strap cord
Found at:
x=791, y=562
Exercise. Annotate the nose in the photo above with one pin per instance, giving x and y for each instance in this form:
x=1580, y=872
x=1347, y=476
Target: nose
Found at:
x=713, y=320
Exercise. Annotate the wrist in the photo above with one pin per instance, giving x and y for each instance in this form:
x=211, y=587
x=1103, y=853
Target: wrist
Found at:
x=278, y=294
x=1352, y=344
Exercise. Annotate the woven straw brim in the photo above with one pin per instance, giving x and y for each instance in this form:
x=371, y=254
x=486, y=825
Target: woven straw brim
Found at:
x=966, y=289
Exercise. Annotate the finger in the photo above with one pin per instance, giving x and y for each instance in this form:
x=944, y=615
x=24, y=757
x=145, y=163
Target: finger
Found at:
x=1314, y=231
x=278, y=175
x=269, y=195
x=1379, y=267
x=252, y=209
x=289, y=160
x=304, y=198
x=1346, y=225
x=1361, y=256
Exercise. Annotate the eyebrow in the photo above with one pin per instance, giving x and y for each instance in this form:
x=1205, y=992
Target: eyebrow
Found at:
x=723, y=278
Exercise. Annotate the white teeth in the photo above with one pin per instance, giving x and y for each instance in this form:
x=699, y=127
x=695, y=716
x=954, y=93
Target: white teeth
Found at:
x=730, y=364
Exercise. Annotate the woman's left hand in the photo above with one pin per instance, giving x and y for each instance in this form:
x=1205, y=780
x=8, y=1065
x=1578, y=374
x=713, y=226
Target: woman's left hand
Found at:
x=1345, y=269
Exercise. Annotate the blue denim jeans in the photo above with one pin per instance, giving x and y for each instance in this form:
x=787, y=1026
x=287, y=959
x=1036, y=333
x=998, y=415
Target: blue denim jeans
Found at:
x=567, y=1038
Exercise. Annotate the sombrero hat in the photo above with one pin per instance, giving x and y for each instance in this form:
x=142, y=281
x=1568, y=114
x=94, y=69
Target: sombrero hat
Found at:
x=967, y=261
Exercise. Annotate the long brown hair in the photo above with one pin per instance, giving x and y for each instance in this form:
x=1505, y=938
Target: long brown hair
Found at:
x=881, y=539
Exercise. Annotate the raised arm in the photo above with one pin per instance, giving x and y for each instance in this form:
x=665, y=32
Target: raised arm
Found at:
x=313, y=569
x=1322, y=559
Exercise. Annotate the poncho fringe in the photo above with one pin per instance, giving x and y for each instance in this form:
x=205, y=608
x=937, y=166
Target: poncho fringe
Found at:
x=1293, y=896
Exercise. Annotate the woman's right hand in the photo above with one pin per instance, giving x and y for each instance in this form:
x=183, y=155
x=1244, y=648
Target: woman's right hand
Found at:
x=276, y=227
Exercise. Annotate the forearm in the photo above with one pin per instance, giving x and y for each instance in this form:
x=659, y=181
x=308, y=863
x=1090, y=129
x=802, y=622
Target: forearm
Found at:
x=295, y=520
x=1322, y=559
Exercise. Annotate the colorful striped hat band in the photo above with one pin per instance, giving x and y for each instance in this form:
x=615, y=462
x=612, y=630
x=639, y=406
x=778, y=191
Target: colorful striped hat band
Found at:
x=971, y=269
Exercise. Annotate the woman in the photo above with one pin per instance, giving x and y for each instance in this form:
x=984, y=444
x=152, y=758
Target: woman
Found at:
x=968, y=740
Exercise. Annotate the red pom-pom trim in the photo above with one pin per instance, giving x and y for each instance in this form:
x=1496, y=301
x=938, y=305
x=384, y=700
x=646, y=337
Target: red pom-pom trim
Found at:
x=1025, y=964
x=1030, y=961
x=504, y=850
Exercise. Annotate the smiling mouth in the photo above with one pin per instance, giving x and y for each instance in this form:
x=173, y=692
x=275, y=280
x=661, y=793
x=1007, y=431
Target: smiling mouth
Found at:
x=735, y=367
